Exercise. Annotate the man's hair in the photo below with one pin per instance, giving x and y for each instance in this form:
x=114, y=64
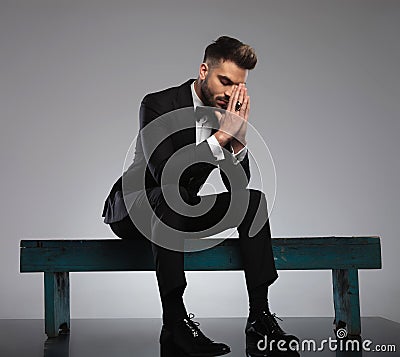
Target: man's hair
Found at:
x=230, y=49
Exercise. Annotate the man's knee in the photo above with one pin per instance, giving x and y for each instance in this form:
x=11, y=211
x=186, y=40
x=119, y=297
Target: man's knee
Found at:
x=257, y=196
x=256, y=193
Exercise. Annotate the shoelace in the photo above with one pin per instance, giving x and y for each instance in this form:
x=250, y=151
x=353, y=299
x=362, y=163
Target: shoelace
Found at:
x=274, y=323
x=194, y=327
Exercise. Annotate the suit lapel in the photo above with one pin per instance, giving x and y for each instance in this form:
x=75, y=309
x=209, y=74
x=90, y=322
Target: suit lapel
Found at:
x=184, y=99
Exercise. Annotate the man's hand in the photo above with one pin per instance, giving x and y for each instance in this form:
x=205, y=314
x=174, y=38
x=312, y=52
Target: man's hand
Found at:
x=239, y=140
x=233, y=126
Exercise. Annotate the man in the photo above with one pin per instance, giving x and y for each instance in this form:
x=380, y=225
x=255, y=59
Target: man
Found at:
x=138, y=206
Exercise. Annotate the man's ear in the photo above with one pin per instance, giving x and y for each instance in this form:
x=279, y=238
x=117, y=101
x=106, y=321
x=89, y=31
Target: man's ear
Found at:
x=203, y=71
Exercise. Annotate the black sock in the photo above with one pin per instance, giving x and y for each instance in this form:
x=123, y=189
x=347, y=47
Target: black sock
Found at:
x=258, y=301
x=173, y=307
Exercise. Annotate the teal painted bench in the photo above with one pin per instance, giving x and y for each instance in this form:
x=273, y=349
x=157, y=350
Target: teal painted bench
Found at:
x=56, y=258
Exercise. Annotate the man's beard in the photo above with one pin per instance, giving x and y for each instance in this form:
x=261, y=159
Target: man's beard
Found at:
x=208, y=99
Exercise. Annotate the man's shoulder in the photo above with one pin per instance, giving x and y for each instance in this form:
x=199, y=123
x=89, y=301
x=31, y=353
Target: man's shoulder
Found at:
x=161, y=95
x=167, y=98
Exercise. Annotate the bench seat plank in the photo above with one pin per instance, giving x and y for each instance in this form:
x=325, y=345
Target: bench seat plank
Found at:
x=120, y=255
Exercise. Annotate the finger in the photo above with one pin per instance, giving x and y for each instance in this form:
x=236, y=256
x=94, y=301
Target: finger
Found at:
x=242, y=100
x=246, y=114
x=244, y=106
x=235, y=98
x=241, y=96
x=231, y=104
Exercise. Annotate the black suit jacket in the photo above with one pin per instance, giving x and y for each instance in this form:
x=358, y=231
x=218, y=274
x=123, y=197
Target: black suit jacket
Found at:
x=171, y=134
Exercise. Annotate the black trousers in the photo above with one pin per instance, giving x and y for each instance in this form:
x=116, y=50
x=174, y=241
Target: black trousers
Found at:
x=245, y=209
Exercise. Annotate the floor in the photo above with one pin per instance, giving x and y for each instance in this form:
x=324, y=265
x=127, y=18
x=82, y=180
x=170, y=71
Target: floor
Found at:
x=139, y=337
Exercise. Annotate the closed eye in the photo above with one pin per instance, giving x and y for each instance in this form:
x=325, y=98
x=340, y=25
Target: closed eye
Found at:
x=225, y=81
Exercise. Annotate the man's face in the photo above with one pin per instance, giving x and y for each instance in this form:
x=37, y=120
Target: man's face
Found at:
x=217, y=82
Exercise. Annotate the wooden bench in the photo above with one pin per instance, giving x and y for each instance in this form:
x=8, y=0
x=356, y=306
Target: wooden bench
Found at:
x=56, y=258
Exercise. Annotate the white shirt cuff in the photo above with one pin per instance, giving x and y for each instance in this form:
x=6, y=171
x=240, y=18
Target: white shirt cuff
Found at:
x=239, y=156
x=216, y=149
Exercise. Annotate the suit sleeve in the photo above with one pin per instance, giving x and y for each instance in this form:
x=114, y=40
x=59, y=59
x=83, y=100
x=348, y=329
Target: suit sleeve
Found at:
x=167, y=162
x=235, y=176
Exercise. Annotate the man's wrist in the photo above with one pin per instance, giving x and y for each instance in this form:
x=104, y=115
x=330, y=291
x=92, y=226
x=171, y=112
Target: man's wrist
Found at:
x=237, y=145
x=222, y=138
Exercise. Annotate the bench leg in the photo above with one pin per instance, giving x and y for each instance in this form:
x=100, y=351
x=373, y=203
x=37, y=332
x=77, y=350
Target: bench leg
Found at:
x=56, y=303
x=346, y=300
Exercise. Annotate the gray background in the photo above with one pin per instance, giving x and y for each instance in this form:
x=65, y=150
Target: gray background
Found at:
x=325, y=97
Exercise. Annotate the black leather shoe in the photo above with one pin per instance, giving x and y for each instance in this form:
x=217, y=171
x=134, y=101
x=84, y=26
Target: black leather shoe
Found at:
x=263, y=336
x=185, y=339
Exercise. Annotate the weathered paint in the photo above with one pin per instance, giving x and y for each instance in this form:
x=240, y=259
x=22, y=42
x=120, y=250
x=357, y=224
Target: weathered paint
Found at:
x=346, y=300
x=56, y=303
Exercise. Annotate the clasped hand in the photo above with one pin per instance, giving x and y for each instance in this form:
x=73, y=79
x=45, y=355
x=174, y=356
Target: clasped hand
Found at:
x=232, y=123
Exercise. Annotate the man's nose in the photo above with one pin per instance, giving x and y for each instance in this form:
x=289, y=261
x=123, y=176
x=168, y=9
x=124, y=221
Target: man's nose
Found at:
x=228, y=92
